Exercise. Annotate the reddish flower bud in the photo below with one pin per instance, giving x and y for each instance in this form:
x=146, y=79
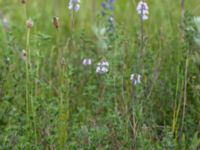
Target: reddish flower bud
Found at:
x=29, y=23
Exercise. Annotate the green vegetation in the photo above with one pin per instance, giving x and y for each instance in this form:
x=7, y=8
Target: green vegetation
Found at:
x=50, y=101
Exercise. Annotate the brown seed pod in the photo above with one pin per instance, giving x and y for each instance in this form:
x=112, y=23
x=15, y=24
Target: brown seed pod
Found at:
x=23, y=1
x=62, y=61
x=56, y=22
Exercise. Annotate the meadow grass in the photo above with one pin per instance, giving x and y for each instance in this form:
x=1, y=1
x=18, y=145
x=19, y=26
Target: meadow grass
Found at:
x=50, y=100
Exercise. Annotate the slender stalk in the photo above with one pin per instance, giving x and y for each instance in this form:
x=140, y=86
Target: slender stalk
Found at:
x=174, y=120
x=61, y=117
x=185, y=92
x=186, y=66
x=27, y=80
x=182, y=10
x=63, y=108
x=36, y=93
x=72, y=22
x=142, y=29
x=29, y=88
x=27, y=70
x=177, y=105
x=182, y=19
x=25, y=11
x=94, y=10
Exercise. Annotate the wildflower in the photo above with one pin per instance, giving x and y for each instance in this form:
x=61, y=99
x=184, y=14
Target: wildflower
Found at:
x=103, y=5
x=5, y=22
x=87, y=62
x=102, y=67
x=29, y=23
x=107, y=12
x=23, y=55
x=74, y=5
x=135, y=78
x=143, y=10
x=108, y=4
x=56, y=22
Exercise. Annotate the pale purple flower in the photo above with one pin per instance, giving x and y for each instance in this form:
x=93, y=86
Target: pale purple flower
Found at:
x=87, y=62
x=135, y=78
x=74, y=5
x=102, y=67
x=5, y=22
x=143, y=10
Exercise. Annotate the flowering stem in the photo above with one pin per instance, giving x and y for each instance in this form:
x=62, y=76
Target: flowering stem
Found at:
x=182, y=18
x=27, y=81
x=63, y=109
x=142, y=28
x=29, y=97
x=182, y=10
x=94, y=10
x=25, y=11
x=72, y=22
x=142, y=35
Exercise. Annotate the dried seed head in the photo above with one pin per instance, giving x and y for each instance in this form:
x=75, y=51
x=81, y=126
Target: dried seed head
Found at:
x=62, y=61
x=23, y=55
x=56, y=22
x=29, y=23
x=23, y=1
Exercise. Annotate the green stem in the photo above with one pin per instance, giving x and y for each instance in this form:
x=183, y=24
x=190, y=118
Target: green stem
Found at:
x=29, y=91
x=27, y=78
x=185, y=93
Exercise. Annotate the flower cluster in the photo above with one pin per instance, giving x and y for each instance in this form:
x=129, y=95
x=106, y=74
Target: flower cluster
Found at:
x=135, y=78
x=87, y=62
x=143, y=10
x=102, y=67
x=107, y=5
x=107, y=12
x=74, y=5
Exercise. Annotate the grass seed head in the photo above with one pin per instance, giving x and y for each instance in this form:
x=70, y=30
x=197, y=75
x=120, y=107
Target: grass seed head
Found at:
x=55, y=22
x=23, y=55
x=29, y=23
